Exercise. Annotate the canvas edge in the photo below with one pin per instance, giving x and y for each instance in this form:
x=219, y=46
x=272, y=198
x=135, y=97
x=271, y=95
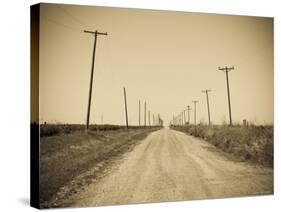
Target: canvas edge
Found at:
x=34, y=102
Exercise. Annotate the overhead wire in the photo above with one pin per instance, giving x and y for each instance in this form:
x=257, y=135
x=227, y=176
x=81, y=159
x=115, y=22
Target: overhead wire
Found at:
x=74, y=29
x=67, y=13
x=73, y=17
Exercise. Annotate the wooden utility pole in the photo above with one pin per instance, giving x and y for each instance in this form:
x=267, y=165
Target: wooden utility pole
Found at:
x=195, y=111
x=188, y=113
x=184, y=116
x=149, y=118
x=226, y=70
x=95, y=34
x=208, y=106
x=144, y=114
x=126, y=112
x=139, y=113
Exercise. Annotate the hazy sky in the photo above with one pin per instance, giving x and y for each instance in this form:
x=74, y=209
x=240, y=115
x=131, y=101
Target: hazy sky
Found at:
x=164, y=58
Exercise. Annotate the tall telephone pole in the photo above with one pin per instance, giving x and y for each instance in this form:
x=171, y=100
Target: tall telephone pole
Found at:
x=226, y=70
x=139, y=112
x=144, y=114
x=126, y=112
x=149, y=118
x=188, y=113
x=208, y=106
x=195, y=102
x=95, y=34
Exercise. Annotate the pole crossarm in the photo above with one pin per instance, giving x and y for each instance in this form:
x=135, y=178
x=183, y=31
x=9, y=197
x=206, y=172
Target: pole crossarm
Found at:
x=226, y=69
x=95, y=32
x=206, y=91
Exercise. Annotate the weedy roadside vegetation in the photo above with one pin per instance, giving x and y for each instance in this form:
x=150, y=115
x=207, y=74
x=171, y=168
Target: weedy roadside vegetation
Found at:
x=59, y=129
x=66, y=152
x=248, y=143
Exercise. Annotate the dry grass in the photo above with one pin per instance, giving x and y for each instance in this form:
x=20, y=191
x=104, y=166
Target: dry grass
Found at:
x=252, y=143
x=59, y=129
x=65, y=156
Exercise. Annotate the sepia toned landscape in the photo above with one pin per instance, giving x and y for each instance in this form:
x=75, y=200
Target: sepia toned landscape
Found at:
x=141, y=106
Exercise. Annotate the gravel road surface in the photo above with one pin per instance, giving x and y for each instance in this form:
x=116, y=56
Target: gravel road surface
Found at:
x=170, y=166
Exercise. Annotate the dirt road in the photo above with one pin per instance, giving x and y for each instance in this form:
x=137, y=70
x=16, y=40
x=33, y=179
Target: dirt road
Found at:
x=168, y=166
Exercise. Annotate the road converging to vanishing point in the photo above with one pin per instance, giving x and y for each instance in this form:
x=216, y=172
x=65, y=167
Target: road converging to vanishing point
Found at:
x=169, y=166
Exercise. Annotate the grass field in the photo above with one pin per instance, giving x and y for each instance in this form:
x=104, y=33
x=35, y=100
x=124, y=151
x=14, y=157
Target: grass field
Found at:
x=252, y=143
x=65, y=155
x=58, y=129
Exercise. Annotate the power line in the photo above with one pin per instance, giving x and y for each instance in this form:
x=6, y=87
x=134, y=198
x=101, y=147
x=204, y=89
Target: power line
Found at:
x=73, y=17
x=75, y=29
x=61, y=24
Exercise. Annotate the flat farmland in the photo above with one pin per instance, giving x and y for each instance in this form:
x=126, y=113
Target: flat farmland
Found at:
x=64, y=155
x=169, y=165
